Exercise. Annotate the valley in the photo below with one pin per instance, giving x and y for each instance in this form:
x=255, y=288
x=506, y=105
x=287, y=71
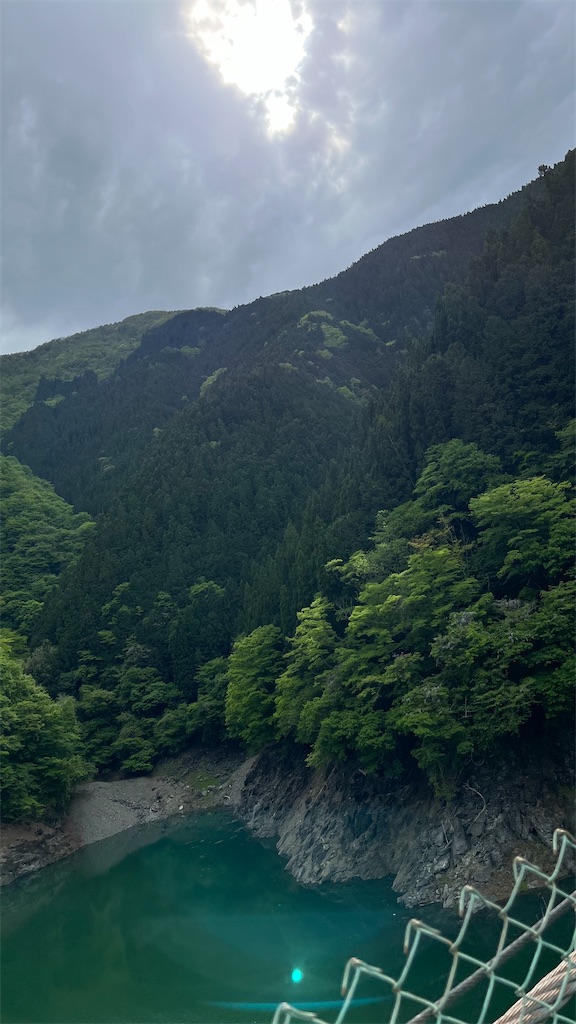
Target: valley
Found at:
x=333, y=528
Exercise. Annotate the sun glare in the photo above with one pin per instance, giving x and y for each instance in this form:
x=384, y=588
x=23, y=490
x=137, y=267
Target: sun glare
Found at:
x=257, y=45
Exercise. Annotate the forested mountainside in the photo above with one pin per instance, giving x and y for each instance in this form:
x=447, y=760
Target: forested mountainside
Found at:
x=50, y=372
x=339, y=518
x=346, y=332
x=40, y=537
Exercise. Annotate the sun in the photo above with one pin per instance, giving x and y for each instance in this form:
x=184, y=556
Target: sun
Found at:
x=256, y=45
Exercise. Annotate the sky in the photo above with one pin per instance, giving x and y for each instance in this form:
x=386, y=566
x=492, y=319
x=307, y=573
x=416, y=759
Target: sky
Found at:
x=169, y=154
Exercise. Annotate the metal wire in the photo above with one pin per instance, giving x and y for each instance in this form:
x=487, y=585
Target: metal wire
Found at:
x=535, y=999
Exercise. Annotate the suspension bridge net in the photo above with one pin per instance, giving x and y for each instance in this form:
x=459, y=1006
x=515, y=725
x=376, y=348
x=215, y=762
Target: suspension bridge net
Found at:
x=532, y=971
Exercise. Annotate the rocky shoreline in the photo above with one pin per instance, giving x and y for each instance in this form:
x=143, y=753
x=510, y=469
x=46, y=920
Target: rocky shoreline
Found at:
x=195, y=781
x=342, y=824
x=332, y=825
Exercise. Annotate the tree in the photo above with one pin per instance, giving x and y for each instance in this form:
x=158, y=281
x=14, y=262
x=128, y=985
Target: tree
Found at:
x=206, y=715
x=358, y=733
x=253, y=666
x=199, y=633
x=310, y=654
x=526, y=531
x=40, y=537
x=40, y=751
x=133, y=745
x=144, y=693
x=427, y=713
x=453, y=473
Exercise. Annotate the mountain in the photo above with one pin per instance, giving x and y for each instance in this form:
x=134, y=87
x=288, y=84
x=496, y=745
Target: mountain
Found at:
x=47, y=373
x=347, y=332
x=321, y=515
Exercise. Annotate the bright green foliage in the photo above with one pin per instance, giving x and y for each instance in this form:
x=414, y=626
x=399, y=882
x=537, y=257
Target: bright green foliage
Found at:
x=402, y=614
x=453, y=474
x=39, y=746
x=368, y=643
x=353, y=733
x=310, y=653
x=427, y=658
x=135, y=721
x=333, y=337
x=206, y=714
x=144, y=692
x=221, y=498
x=526, y=531
x=133, y=746
x=427, y=713
x=551, y=661
x=40, y=537
x=171, y=731
x=386, y=650
x=210, y=380
x=98, y=711
x=63, y=359
x=315, y=316
x=253, y=667
x=436, y=583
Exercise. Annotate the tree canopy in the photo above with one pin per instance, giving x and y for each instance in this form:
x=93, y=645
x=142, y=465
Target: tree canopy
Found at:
x=339, y=518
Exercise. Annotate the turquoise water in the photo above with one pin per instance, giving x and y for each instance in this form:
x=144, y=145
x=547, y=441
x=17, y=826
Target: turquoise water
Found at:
x=195, y=922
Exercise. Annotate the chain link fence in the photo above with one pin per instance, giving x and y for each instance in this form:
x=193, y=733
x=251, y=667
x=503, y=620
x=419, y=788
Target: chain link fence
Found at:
x=532, y=972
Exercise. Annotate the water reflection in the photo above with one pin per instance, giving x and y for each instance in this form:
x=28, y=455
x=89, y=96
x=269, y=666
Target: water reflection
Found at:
x=193, y=921
x=185, y=921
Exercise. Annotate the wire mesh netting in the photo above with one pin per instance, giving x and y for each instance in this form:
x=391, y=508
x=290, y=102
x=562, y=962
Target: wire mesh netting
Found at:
x=530, y=978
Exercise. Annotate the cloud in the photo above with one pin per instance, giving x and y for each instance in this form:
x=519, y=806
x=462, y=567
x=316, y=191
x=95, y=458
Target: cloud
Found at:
x=135, y=178
x=256, y=46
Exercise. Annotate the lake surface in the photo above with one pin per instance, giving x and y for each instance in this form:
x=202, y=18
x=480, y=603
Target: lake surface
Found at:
x=196, y=923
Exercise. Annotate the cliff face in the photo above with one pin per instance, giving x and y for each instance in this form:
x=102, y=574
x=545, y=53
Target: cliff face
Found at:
x=341, y=824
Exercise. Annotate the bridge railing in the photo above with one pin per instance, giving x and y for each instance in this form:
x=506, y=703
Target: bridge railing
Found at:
x=536, y=994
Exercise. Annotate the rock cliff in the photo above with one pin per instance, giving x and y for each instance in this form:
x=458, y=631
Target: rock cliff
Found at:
x=340, y=824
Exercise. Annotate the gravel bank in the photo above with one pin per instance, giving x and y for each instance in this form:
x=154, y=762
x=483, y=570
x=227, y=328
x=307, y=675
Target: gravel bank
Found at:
x=196, y=780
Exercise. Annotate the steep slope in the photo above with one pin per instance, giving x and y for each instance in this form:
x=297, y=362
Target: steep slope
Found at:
x=214, y=492
x=496, y=369
x=240, y=451
x=58, y=362
x=348, y=330
x=39, y=537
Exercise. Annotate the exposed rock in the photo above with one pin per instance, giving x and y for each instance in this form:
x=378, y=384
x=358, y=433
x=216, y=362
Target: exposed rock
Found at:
x=102, y=809
x=341, y=824
x=334, y=825
x=27, y=847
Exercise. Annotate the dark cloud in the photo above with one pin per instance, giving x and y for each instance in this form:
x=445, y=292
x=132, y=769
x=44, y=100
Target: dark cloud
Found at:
x=134, y=179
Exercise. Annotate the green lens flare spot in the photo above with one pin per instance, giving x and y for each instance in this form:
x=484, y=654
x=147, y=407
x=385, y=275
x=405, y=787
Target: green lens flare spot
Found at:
x=297, y=975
